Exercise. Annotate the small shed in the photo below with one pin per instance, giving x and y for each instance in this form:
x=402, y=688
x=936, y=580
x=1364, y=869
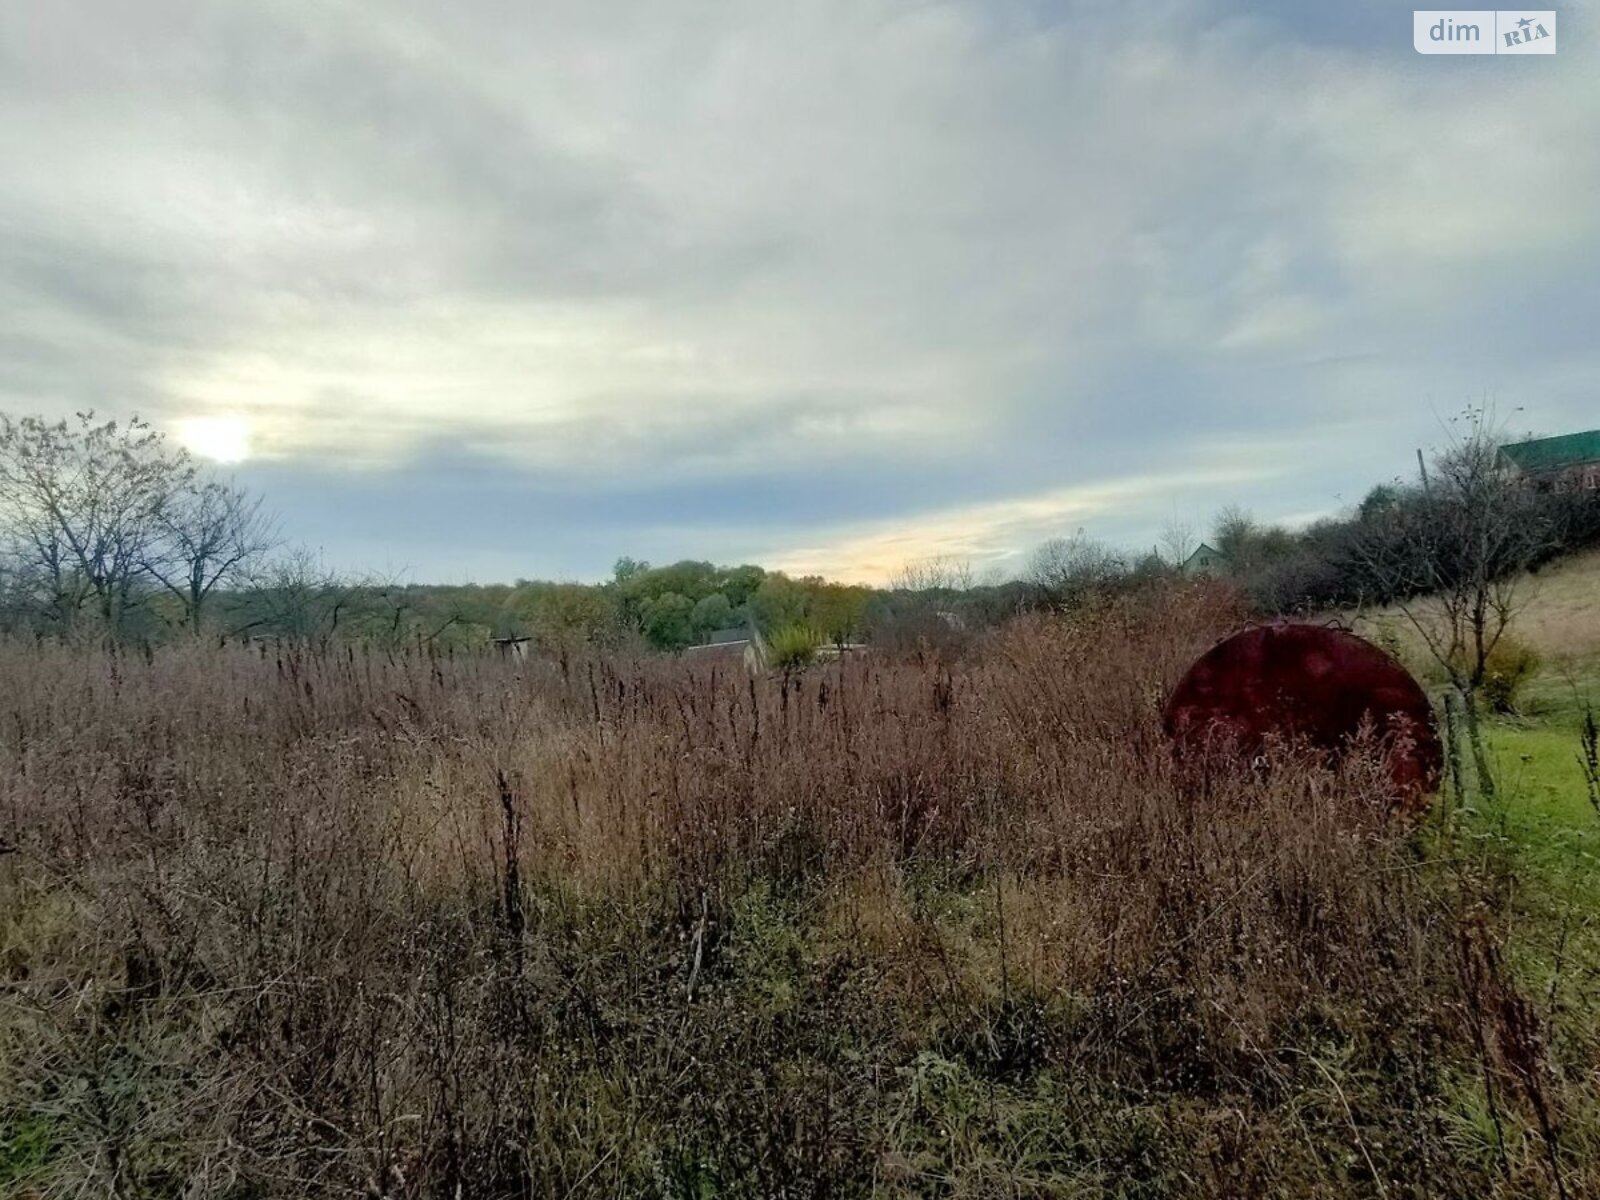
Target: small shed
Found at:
x=744, y=644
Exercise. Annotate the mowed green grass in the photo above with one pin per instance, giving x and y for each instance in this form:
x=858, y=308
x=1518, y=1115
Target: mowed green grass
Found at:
x=1543, y=801
x=1543, y=828
x=1543, y=806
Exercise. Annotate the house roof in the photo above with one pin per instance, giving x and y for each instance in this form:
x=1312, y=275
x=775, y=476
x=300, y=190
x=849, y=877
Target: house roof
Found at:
x=1554, y=453
x=727, y=637
x=1204, y=548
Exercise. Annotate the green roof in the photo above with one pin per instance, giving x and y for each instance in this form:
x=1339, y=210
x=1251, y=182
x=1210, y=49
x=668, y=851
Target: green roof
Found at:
x=1554, y=453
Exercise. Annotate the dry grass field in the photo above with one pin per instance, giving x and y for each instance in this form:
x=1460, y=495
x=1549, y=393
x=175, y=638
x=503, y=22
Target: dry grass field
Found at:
x=1558, y=615
x=1562, y=616
x=281, y=924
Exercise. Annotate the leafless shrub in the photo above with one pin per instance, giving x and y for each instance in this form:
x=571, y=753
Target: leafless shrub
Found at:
x=282, y=922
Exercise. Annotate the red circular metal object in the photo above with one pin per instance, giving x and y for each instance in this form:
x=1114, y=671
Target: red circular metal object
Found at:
x=1313, y=683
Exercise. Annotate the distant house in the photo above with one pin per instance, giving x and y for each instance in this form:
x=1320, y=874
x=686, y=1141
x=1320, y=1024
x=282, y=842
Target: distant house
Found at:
x=745, y=645
x=1206, y=560
x=1570, y=462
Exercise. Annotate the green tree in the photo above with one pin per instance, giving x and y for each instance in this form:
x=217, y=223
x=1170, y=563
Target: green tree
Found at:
x=779, y=602
x=695, y=580
x=710, y=613
x=738, y=584
x=627, y=568
x=668, y=621
x=571, y=615
x=838, y=610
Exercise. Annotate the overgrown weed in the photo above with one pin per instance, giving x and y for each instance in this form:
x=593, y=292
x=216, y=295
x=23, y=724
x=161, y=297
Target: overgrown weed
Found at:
x=286, y=924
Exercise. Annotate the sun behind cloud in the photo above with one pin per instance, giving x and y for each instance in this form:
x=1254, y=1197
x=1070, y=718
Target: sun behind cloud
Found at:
x=221, y=439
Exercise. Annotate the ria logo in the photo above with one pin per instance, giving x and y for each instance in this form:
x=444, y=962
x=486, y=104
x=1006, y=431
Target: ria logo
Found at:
x=1484, y=31
x=1529, y=30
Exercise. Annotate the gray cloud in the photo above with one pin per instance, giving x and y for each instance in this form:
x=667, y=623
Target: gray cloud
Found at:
x=763, y=277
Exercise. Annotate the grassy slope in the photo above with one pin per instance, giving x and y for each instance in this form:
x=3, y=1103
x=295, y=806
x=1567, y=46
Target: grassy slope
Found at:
x=1559, y=615
x=1563, y=614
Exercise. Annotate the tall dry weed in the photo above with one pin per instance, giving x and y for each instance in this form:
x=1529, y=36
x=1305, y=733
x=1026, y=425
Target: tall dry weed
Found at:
x=283, y=923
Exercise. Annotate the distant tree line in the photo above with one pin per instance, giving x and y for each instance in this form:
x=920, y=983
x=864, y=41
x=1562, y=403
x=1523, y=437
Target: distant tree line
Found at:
x=1408, y=539
x=682, y=604
x=1465, y=518
x=107, y=530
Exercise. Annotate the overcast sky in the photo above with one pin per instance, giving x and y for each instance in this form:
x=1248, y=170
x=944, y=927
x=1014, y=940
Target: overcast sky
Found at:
x=493, y=289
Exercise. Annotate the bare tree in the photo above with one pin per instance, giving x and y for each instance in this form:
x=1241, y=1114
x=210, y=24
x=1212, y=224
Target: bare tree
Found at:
x=941, y=573
x=385, y=611
x=211, y=533
x=1454, y=557
x=83, y=505
x=1069, y=570
x=1234, y=532
x=296, y=596
x=1178, y=540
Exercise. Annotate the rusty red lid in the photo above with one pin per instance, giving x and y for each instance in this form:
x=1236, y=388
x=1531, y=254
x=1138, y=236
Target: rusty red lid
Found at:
x=1314, y=683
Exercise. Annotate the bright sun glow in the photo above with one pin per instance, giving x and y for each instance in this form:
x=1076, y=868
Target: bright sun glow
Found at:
x=221, y=439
